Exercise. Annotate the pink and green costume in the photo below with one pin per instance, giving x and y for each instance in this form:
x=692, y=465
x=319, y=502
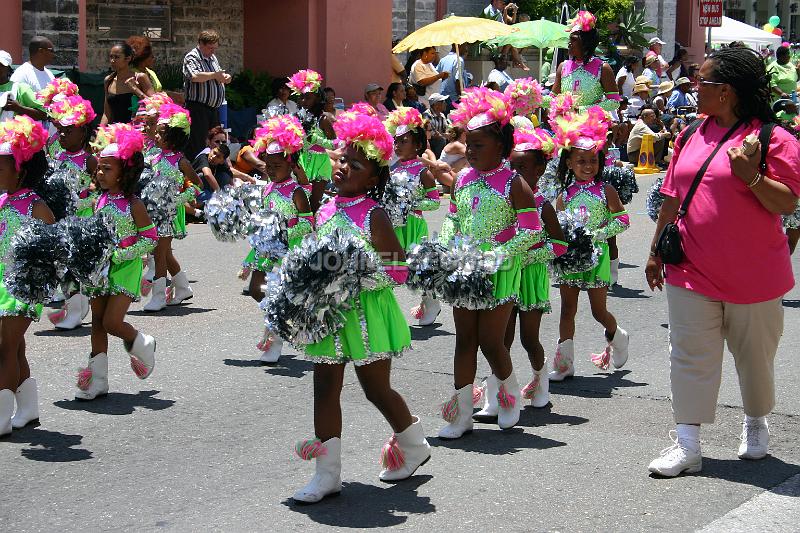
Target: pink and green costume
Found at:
x=76, y=163
x=16, y=209
x=481, y=208
x=125, y=273
x=314, y=156
x=582, y=79
x=534, y=286
x=587, y=200
x=424, y=199
x=279, y=198
x=166, y=163
x=375, y=327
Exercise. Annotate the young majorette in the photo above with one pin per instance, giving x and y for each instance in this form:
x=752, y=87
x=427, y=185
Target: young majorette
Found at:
x=22, y=165
x=172, y=134
x=532, y=149
x=120, y=163
x=375, y=331
x=581, y=138
x=68, y=149
x=275, y=143
x=493, y=205
x=407, y=127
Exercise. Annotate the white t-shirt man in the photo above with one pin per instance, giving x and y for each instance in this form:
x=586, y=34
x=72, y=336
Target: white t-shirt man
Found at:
x=630, y=81
x=500, y=77
x=37, y=79
x=420, y=71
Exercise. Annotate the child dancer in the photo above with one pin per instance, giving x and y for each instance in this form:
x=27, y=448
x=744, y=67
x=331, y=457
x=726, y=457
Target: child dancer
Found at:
x=492, y=204
x=375, y=330
x=22, y=165
x=581, y=138
x=172, y=134
x=274, y=144
x=407, y=127
x=120, y=163
x=69, y=148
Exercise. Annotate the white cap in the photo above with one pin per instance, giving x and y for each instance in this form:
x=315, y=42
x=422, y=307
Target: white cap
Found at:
x=437, y=97
x=656, y=40
x=5, y=58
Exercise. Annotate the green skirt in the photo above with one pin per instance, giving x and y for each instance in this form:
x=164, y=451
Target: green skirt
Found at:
x=179, y=222
x=317, y=166
x=412, y=232
x=123, y=278
x=10, y=306
x=265, y=265
x=534, y=288
x=86, y=212
x=599, y=276
x=375, y=329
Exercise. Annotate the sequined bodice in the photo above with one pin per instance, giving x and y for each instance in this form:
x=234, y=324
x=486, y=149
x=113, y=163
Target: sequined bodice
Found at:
x=583, y=81
x=588, y=201
x=413, y=169
x=14, y=210
x=151, y=152
x=119, y=209
x=278, y=197
x=166, y=163
x=483, y=203
x=75, y=162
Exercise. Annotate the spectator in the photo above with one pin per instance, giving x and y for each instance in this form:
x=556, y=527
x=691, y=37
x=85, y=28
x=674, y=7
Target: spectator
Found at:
x=662, y=95
x=329, y=110
x=34, y=72
x=395, y=96
x=783, y=75
x=640, y=98
x=683, y=97
x=492, y=85
x=122, y=86
x=246, y=161
x=204, y=87
x=412, y=100
x=438, y=122
x=212, y=167
x=398, y=70
x=547, y=66
x=372, y=95
x=143, y=59
x=626, y=76
x=499, y=75
x=21, y=98
x=677, y=67
x=424, y=75
x=281, y=104
x=650, y=63
x=648, y=124
x=660, y=66
x=505, y=13
x=693, y=69
x=453, y=64
x=454, y=153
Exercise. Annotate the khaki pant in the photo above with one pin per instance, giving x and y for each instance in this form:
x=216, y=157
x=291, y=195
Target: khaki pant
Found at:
x=699, y=328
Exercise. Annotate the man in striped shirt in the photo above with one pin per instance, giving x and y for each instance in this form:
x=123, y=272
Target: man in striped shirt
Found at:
x=204, y=88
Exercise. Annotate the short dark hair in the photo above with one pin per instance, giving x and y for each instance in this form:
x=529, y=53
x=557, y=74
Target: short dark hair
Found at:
x=213, y=132
x=278, y=84
x=782, y=52
x=32, y=172
x=131, y=171
x=176, y=138
x=208, y=37
x=589, y=41
x=225, y=149
x=631, y=60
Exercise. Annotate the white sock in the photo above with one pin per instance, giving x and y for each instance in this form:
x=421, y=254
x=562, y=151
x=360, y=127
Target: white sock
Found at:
x=755, y=420
x=689, y=436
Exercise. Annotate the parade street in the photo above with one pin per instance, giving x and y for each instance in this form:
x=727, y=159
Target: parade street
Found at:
x=207, y=442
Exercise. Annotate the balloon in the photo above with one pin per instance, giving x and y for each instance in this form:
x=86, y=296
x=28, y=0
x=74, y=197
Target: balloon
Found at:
x=774, y=20
x=777, y=31
x=768, y=28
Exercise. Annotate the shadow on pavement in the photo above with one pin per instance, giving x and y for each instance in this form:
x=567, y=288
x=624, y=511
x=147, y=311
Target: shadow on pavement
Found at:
x=765, y=474
x=600, y=385
x=626, y=265
x=369, y=506
x=291, y=366
x=84, y=331
x=544, y=416
x=618, y=291
x=48, y=446
x=118, y=403
x=174, y=310
x=423, y=333
x=496, y=441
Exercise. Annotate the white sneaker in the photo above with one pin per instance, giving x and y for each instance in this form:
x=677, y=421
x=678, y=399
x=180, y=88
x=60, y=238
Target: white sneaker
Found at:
x=676, y=460
x=755, y=440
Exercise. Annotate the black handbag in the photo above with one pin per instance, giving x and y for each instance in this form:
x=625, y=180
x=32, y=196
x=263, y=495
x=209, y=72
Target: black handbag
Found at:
x=668, y=245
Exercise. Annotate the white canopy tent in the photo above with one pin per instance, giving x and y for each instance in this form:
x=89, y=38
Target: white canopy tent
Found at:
x=733, y=30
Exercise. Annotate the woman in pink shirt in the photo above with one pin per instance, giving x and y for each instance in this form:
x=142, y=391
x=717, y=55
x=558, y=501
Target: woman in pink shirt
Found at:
x=736, y=268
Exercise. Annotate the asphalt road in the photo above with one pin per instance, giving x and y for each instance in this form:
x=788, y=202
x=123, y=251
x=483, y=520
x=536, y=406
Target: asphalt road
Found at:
x=206, y=443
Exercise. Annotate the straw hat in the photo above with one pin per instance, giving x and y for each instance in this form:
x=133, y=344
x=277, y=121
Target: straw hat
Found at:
x=650, y=59
x=682, y=81
x=640, y=87
x=665, y=87
x=643, y=80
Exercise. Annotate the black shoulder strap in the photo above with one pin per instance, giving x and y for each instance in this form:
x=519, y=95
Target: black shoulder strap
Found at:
x=689, y=131
x=763, y=137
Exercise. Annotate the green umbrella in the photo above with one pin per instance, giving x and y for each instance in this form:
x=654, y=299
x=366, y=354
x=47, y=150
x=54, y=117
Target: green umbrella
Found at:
x=535, y=33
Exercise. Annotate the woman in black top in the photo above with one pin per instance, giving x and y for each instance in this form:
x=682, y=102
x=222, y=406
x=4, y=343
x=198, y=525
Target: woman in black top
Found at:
x=122, y=85
x=395, y=95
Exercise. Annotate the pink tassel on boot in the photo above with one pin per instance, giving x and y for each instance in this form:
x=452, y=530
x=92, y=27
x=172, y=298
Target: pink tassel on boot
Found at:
x=310, y=449
x=530, y=389
x=506, y=400
x=139, y=368
x=146, y=287
x=84, y=378
x=477, y=395
x=449, y=409
x=392, y=457
x=57, y=316
x=602, y=360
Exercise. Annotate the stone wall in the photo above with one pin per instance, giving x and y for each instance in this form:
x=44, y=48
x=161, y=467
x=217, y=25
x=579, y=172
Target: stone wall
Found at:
x=466, y=8
x=58, y=21
x=189, y=17
x=662, y=14
x=423, y=13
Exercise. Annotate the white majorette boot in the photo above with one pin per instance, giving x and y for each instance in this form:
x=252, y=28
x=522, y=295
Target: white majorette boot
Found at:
x=179, y=291
x=427, y=311
x=614, y=271
x=147, y=278
x=70, y=315
x=490, y=405
x=158, y=298
x=327, y=480
x=508, y=401
x=6, y=410
x=93, y=380
x=563, y=362
x=458, y=412
x=271, y=347
x=619, y=348
x=538, y=390
x=143, y=355
x=404, y=453
x=27, y=397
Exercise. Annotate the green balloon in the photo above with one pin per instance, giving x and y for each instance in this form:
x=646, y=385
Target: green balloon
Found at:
x=774, y=20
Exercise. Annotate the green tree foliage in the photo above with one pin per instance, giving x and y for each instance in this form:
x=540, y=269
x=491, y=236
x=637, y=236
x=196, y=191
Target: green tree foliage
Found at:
x=606, y=11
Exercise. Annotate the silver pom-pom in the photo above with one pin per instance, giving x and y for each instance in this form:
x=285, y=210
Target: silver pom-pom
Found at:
x=426, y=272
x=654, y=199
x=59, y=190
x=268, y=235
x=623, y=180
x=36, y=261
x=229, y=211
x=792, y=221
x=582, y=254
x=468, y=284
x=398, y=196
x=548, y=184
x=92, y=242
x=158, y=193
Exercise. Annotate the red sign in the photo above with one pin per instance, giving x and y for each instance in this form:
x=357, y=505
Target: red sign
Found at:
x=710, y=13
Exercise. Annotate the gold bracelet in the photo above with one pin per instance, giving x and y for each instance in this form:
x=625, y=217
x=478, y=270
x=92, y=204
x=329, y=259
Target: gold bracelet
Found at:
x=755, y=181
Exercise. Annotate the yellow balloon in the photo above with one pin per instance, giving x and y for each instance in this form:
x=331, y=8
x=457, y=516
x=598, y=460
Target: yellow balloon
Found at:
x=768, y=28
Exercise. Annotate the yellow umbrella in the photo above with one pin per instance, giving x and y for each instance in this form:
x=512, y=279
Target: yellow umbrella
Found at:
x=453, y=30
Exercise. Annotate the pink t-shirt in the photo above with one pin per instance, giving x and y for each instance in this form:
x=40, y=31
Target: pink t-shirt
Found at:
x=735, y=250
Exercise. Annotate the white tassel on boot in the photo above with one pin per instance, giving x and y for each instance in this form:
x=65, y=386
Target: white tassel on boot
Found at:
x=158, y=298
x=6, y=410
x=404, y=453
x=327, y=480
x=614, y=271
x=538, y=390
x=564, y=361
x=93, y=380
x=71, y=315
x=179, y=290
x=458, y=412
x=143, y=355
x=490, y=405
x=508, y=400
x=27, y=397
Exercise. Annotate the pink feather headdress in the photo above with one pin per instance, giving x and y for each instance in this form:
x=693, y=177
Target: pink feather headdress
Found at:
x=402, y=120
x=21, y=137
x=118, y=140
x=586, y=131
x=280, y=134
x=56, y=89
x=175, y=116
x=480, y=107
x=583, y=21
x=362, y=108
x=72, y=111
x=534, y=139
x=367, y=133
x=305, y=81
x=152, y=104
x=525, y=95
x=562, y=105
